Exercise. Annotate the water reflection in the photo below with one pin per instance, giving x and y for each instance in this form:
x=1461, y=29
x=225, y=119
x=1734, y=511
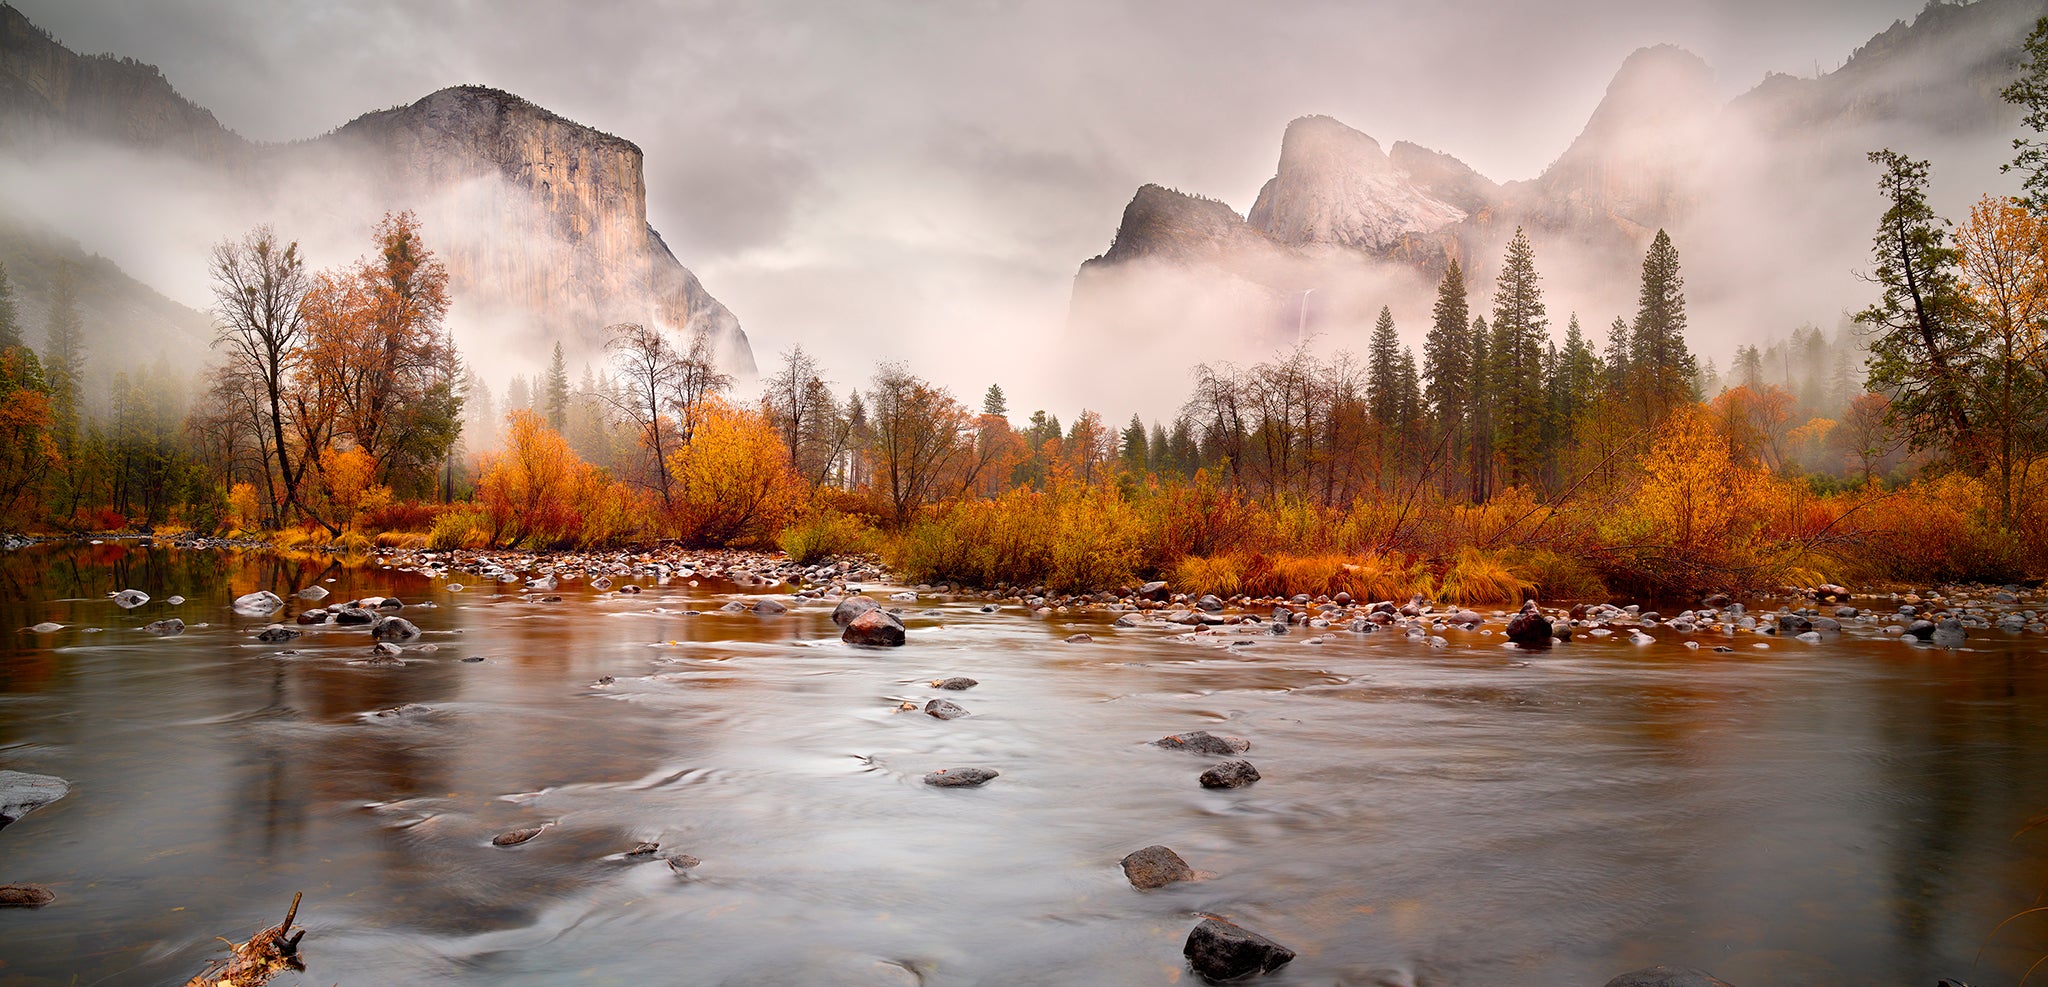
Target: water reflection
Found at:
x=1838, y=813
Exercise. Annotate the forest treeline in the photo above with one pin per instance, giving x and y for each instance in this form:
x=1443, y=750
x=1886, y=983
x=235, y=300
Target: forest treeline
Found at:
x=1506, y=456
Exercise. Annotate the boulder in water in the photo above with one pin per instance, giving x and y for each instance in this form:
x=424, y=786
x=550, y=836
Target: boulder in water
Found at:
x=22, y=793
x=944, y=709
x=168, y=627
x=1224, y=951
x=875, y=628
x=956, y=683
x=1155, y=867
x=961, y=777
x=276, y=633
x=1204, y=742
x=394, y=629
x=852, y=607
x=258, y=604
x=1230, y=774
x=1666, y=976
x=312, y=594
x=1530, y=628
x=129, y=599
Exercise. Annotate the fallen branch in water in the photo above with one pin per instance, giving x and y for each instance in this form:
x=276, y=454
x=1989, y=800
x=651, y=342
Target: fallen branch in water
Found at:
x=265, y=955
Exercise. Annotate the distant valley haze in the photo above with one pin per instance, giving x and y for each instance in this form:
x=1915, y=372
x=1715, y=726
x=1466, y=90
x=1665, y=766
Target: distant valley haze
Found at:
x=924, y=182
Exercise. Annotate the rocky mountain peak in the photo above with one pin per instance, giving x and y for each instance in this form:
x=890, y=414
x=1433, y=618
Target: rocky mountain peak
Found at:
x=1335, y=185
x=1167, y=223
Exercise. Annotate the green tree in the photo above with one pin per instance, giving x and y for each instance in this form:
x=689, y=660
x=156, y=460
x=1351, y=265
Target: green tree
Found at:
x=994, y=403
x=1383, y=371
x=1480, y=412
x=1137, y=448
x=10, y=318
x=1919, y=346
x=1520, y=331
x=1447, y=370
x=1661, y=369
x=555, y=392
x=2030, y=91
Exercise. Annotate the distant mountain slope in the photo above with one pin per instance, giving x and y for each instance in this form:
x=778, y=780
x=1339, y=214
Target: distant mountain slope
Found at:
x=542, y=221
x=119, y=314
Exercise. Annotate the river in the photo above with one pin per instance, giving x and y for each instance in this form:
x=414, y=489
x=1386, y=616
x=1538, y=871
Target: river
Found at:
x=1838, y=813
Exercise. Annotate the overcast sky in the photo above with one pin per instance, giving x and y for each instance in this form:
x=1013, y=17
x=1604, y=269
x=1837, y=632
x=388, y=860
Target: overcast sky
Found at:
x=908, y=162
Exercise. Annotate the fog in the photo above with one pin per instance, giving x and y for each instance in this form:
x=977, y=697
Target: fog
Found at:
x=912, y=181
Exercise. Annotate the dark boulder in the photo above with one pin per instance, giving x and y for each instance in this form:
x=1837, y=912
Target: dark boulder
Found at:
x=961, y=777
x=514, y=837
x=1155, y=590
x=276, y=633
x=394, y=629
x=1204, y=742
x=944, y=709
x=1155, y=867
x=1209, y=603
x=771, y=608
x=875, y=628
x=1666, y=976
x=956, y=683
x=167, y=627
x=1949, y=633
x=1230, y=774
x=1530, y=628
x=1223, y=951
x=25, y=896
x=314, y=616
x=352, y=616
x=852, y=607
x=1922, y=629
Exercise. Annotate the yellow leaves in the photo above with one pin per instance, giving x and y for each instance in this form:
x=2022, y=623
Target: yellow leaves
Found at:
x=537, y=491
x=348, y=479
x=735, y=482
x=244, y=512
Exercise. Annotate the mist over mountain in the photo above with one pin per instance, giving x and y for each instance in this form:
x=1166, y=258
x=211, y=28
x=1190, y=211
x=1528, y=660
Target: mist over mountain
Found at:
x=541, y=220
x=1767, y=196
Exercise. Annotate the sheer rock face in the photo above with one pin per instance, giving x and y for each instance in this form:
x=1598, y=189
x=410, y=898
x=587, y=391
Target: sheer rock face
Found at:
x=542, y=221
x=1335, y=185
x=553, y=213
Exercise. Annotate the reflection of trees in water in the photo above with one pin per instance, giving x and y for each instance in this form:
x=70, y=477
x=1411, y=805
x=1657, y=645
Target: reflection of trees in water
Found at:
x=1967, y=766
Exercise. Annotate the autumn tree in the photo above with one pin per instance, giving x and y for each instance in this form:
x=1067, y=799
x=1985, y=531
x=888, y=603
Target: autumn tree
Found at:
x=259, y=290
x=27, y=451
x=2005, y=302
x=648, y=367
x=918, y=432
x=1917, y=345
x=10, y=317
x=733, y=478
x=697, y=380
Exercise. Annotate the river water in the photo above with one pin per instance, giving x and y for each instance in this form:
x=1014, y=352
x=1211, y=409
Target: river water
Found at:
x=1833, y=813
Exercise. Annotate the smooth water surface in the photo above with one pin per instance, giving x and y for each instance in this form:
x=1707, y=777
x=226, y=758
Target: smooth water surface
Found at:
x=1835, y=813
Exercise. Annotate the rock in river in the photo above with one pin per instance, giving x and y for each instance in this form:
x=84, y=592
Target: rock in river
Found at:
x=259, y=604
x=167, y=627
x=514, y=837
x=1230, y=774
x=312, y=594
x=874, y=628
x=1949, y=633
x=1666, y=976
x=353, y=616
x=944, y=709
x=1223, y=951
x=394, y=629
x=22, y=793
x=25, y=896
x=852, y=607
x=1530, y=628
x=277, y=632
x=1204, y=742
x=961, y=777
x=1155, y=867
x=956, y=683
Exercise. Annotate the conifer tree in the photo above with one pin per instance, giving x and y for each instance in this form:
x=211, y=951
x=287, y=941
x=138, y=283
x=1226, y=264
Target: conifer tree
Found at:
x=64, y=360
x=1137, y=450
x=1661, y=369
x=1617, y=356
x=1382, y=371
x=555, y=393
x=1520, y=331
x=10, y=318
x=1447, y=370
x=994, y=403
x=1920, y=347
x=1408, y=413
x=1479, y=411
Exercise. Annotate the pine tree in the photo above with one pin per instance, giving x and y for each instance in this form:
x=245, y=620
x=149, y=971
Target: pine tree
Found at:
x=1520, y=332
x=1158, y=452
x=64, y=360
x=994, y=403
x=1617, y=357
x=1479, y=413
x=1408, y=413
x=1921, y=346
x=1137, y=451
x=1447, y=369
x=1661, y=369
x=1383, y=371
x=555, y=392
x=10, y=319
x=2030, y=91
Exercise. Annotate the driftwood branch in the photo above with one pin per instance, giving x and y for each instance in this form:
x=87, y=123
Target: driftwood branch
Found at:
x=266, y=954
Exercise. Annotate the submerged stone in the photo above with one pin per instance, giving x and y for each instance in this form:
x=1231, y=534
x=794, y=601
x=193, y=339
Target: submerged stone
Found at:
x=961, y=777
x=1224, y=951
x=1155, y=866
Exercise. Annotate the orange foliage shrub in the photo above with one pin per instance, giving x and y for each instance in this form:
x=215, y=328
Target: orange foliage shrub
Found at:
x=734, y=482
x=537, y=492
x=245, y=512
